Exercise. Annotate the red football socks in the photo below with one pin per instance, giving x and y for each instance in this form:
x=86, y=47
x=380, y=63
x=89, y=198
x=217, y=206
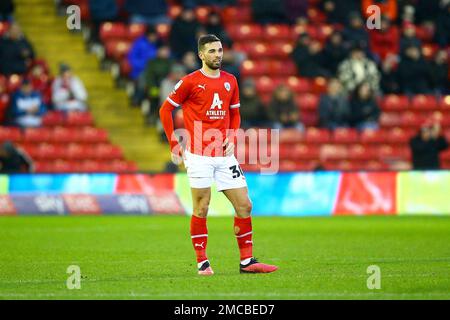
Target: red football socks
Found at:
x=199, y=236
x=243, y=231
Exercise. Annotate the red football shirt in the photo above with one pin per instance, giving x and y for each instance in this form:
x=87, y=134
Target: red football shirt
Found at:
x=206, y=103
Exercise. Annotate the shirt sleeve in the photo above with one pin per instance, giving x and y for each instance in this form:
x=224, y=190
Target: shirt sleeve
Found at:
x=235, y=103
x=179, y=93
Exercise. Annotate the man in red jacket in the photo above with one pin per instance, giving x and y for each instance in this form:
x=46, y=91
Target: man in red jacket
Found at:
x=210, y=101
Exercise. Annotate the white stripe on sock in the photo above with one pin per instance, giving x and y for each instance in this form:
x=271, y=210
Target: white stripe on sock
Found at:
x=245, y=234
x=199, y=236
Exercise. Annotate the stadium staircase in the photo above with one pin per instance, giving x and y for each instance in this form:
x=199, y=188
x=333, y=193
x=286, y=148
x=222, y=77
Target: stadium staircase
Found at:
x=108, y=105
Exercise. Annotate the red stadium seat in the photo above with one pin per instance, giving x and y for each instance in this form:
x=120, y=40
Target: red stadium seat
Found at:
x=79, y=151
x=341, y=165
x=345, y=135
x=307, y=101
x=14, y=82
x=135, y=30
x=236, y=15
x=274, y=32
x=53, y=118
x=48, y=151
x=309, y=118
x=388, y=152
x=251, y=68
x=10, y=134
x=315, y=135
x=245, y=32
x=266, y=84
x=373, y=136
x=122, y=166
x=76, y=118
x=304, y=151
x=361, y=152
x=117, y=49
x=107, y=151
x=411, y=119
x=125, y=67
x=93, y=135
x=4, y=26
x=37, y=134
x=63, y=166
x=390, y=119
x=283, y=68
x=373, y=165
x=298, y=85
x=163, y=30
x=424, y=102
x=64, y=135
x=112, y=31
x=333, y=152
x=202, y=13
x=444, y=103
x=280, y=49
x=399, y=135
x=91, y=166
x=393, y=102
x=291, y=136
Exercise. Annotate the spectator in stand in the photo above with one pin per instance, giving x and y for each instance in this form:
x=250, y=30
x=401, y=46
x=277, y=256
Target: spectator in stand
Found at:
x=269, y=11
x=337, y=10
x=334, y=109
x=356, y=69
x=4, y=100
x=426, y=146
x=6, y=10
x=409, y=38
x=413, y=73
x=190, y=62
x=214, y=26
x=217, y=3
x=27, y=106
x=150, y=80
x=355, y=32
x=253, y=112
x=388, y=8
x=177, y=72
x=443, y=25
x=438, y=68
x=385, y=40
x=389, y=79
x=231, y=63
x=68, y=91
x=334, y=52
x=283, y=111
x=183, y=33
x=364, y=109
x=14, y=160
x=143, y=49
x=16, y=53
x=101, y=11
x=155, y=71
x=148, y=12
x=295, y=9
x=41, y=82
x=307, y=55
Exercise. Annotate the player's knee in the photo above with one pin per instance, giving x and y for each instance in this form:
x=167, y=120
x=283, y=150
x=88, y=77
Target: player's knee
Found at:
x=202, y=211
x=245, y=208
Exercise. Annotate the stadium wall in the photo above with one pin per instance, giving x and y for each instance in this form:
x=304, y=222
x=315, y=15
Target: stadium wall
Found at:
x=283, y=194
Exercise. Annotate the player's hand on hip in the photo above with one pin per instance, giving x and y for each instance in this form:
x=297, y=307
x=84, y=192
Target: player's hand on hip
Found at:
x=177, y=156
x=229, y=147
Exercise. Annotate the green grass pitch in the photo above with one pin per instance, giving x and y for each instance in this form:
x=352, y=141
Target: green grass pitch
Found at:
x=152, y=258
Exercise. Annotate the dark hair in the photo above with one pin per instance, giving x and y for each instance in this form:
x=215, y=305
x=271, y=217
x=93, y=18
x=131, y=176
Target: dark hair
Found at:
x=208, y=38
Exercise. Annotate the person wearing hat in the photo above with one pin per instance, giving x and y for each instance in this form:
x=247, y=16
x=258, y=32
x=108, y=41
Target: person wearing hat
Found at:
x=427, y=145
x=27, y=106
x=68, y=91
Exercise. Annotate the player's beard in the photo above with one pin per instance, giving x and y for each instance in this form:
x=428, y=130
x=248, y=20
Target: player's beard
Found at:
x=213, y=65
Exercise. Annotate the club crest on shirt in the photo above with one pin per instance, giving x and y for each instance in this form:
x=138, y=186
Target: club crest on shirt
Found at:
x=227, y=86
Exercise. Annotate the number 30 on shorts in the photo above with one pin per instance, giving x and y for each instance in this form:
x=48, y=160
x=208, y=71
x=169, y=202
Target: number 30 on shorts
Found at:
x=237, y=171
